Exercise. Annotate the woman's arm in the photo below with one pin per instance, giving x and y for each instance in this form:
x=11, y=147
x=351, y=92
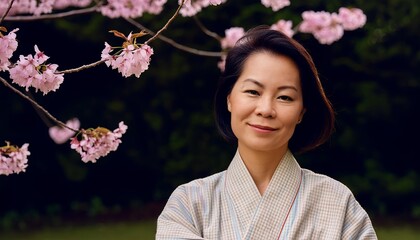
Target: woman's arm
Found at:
x=177, y=220
x=357, y=223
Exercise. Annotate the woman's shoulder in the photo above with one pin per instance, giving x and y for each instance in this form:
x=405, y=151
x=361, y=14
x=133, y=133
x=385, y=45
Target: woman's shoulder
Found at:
x=202, y=185
x=323, y=183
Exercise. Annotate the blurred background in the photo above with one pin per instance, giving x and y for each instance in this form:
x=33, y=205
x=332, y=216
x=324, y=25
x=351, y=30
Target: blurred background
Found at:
x=371, y=76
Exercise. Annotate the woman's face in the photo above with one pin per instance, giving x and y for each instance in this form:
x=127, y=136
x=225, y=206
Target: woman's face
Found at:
x=266, y=103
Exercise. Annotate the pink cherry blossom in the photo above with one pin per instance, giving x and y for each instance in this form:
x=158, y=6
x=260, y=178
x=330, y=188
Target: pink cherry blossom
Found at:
x=38, y=7
x=221, y=64
x=44, y=6
x=13, y=159
x=275, y=4
x=351, y=18
x=8, y=45
x=30, y=71
x=326, y=27
x=61, y=4
x=60, y=135
x=92, y=144
x=155, y=6
x=284, y=27
x=216, y=2
x=313, y=21
x=133, y=59
x=131, y=8
x=330, y=34
x=34, y=7
x=192, y=7
x=232, y=35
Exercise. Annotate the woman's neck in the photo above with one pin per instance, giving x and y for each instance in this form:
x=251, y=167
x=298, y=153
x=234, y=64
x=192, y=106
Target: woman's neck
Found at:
x=261, y=165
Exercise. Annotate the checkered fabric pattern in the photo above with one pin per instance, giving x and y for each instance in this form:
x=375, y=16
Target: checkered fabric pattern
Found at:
x=298, y=204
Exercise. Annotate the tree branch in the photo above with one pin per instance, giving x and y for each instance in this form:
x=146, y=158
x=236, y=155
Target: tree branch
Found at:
x=7, y=11
x=35, y=104
x=205, y=30
x=173, y=43
x=73, y=70
x=167, y=23
x=53, y=15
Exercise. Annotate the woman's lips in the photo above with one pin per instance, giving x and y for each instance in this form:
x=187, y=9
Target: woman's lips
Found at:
x=262, y=128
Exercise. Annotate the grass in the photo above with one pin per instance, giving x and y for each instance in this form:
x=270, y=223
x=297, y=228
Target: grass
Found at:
x=146, y=230
x=400, y=233
x=128, y=231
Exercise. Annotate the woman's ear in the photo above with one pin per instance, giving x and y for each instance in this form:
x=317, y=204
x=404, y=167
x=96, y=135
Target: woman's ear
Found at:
x=228, y=103
x=301, y=115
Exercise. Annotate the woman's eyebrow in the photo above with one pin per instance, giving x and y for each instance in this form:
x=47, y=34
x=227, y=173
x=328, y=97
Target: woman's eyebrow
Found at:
x=254, y=81
x=262, y=85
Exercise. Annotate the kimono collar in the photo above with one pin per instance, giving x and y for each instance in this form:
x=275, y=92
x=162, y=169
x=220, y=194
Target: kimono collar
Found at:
x=252, y=209
x=286, y=176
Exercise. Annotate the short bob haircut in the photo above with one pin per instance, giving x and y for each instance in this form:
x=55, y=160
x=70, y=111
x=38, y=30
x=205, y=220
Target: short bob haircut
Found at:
x=318, y=121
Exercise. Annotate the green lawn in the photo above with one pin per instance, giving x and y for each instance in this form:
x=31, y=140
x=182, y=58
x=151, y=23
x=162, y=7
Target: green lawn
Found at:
x=116, y=231
x=146, y=230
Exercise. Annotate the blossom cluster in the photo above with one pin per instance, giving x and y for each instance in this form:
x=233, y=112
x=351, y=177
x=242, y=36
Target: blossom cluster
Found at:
x=110, y=8
x=326, y=27
x=13, y=159
x=8, y=45
x=275, y=4
x=62, y=4
x=38, y=7
x=329, y=27
x=284, y=26
x=132, y=59
x=92, y=144
x=231, y=36
x=30, y=71
x=131, y=8
x=192, y=7
x=60, y=135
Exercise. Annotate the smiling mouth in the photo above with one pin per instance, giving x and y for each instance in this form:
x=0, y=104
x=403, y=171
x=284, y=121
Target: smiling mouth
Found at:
x=261, y=127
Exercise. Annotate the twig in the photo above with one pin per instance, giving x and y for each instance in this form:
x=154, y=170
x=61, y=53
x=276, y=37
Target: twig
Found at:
x=35, y=104
x=167, y=23
x=52, y=15
x=39, y=112
x=7, y=11
x=206, y=30
x=175, y=44
x=73, y=70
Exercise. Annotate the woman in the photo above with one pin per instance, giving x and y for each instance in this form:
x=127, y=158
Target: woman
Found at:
x=271, y=103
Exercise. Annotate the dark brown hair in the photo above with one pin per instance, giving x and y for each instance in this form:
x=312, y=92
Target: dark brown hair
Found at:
x=318, y=122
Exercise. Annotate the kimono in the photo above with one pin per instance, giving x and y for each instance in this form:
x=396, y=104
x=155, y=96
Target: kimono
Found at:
x=297, y=204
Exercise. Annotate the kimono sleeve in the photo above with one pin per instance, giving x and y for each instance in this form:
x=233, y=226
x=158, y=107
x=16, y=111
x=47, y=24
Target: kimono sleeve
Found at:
x=176, y=220
x=357, y=223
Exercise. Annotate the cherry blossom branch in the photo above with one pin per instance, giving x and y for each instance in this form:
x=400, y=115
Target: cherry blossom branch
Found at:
x=167, y=23
x=53, y=15
x=146, y=43
x=39, y=112
x=206, y=30
x=35, y=104
x=7, y=11
x=73, y=70
x=173, y=43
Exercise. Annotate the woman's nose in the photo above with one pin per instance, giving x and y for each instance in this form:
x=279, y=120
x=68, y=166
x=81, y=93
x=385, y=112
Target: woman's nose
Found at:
x=265, y=108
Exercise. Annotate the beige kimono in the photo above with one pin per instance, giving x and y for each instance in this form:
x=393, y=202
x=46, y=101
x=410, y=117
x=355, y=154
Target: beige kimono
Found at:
x=298, y=204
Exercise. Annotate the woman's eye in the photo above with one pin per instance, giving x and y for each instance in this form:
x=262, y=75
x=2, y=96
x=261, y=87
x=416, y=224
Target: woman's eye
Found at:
x=285, y=98
x=252, y=92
